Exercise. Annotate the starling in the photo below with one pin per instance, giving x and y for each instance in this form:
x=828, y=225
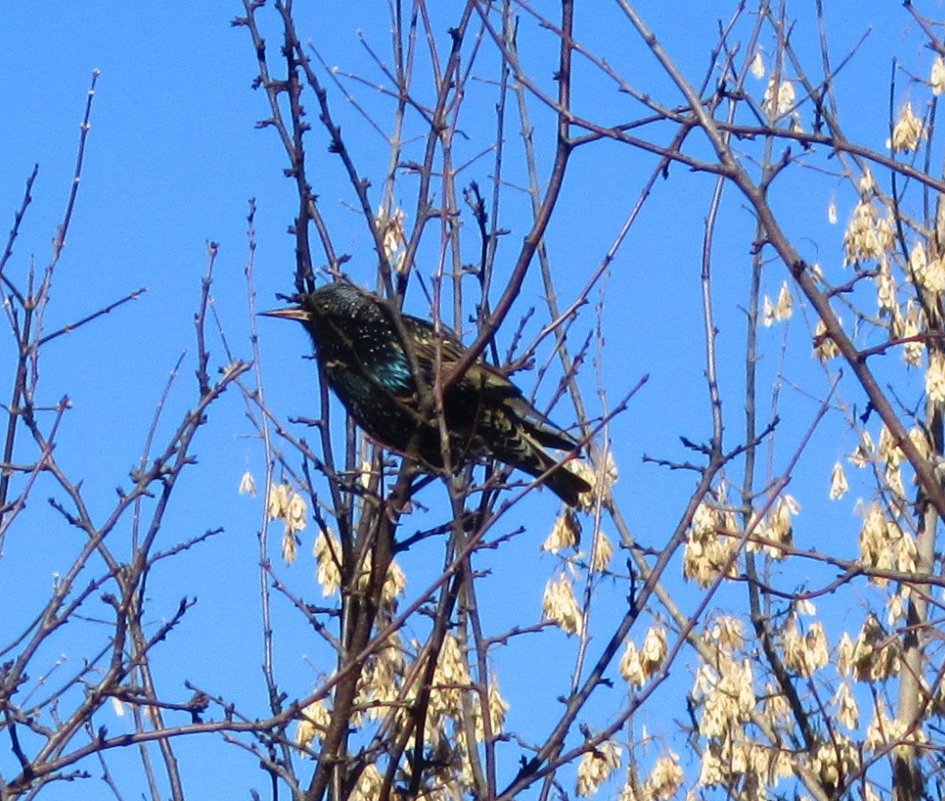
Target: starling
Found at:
x=486, y=416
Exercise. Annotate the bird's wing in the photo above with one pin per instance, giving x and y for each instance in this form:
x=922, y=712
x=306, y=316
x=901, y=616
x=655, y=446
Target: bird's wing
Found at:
x=541, y=428
x=444, y=345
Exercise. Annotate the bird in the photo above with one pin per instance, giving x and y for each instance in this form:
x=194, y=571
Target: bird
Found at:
x=373, y=364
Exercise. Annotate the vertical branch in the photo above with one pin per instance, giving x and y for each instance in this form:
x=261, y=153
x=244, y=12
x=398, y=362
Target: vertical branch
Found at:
x=533, y=239
x=28, y=303
x=22, y=340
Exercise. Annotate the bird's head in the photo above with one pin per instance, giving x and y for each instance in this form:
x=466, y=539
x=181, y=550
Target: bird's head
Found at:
x=337, y=300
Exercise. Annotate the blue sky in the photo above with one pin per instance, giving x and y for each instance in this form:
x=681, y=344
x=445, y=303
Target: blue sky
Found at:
x=173, y=159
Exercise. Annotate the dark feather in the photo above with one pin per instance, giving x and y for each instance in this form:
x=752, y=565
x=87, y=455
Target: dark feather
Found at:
x=369, y=368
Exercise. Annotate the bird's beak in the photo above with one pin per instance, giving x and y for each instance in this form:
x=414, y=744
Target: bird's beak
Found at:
x=288, y=313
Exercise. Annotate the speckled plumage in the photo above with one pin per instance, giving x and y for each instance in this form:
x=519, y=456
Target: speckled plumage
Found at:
x=357, y=343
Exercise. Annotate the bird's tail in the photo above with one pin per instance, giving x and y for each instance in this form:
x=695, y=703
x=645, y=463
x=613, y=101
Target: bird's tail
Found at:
x=562, y=482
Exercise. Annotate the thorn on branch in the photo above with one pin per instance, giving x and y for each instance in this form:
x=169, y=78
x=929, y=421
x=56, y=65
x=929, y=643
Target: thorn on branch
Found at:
x=632, y=592
x=197, y=705
x=673, y=465
x=757, y=246
x=71, y=519
x=703, y=449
